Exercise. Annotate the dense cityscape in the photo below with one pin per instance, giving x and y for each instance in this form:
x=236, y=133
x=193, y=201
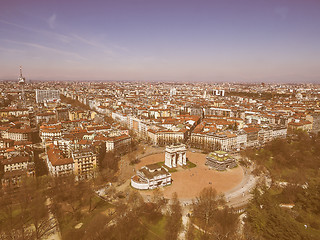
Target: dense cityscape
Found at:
x=160, y=120
x=90, y=154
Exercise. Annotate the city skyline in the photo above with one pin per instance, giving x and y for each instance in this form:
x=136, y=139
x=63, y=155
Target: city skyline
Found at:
x=247, y=41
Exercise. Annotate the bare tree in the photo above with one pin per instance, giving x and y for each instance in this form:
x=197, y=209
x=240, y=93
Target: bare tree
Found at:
x=174, y=221
x=216, y=220
x=225, y=224
x=8, y=223
x=158, y=199
x=205, y=205
x=24, y=213
x=71, y=195
x=97, y=228
x=39, y=217
x=135, y=200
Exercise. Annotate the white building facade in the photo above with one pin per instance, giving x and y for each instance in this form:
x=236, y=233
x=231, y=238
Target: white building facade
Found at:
x=176, y=156
x=150, y=177
x=47, y=95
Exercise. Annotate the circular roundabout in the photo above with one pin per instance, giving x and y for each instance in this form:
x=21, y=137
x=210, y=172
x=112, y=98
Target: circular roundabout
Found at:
x=188, y=182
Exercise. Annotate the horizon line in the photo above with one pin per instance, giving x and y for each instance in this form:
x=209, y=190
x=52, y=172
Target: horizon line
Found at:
x=165, y=81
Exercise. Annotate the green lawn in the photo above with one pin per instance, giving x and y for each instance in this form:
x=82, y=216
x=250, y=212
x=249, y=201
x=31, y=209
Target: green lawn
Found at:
x=172, y=170
x=16, y=211
x=155, y=230
x=190, y=165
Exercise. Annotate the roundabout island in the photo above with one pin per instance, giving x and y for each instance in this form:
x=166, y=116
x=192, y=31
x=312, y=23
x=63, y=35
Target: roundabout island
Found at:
x=189, y=179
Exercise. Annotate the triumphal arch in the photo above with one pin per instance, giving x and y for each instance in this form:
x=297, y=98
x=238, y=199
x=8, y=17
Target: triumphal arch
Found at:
x=176, y=155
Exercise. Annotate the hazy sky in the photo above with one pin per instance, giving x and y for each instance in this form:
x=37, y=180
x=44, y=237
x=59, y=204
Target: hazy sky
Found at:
x=199, y=40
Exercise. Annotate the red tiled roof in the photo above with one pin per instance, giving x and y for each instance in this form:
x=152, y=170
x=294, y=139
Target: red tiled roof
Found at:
x=19, y=130
x=300, y=123
x=56, y=158
x=14, y=160
x=84, y=142
x=118, y=138
x=251, y=129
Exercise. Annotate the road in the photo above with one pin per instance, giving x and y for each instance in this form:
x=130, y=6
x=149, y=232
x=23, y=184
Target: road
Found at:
x=241, y=194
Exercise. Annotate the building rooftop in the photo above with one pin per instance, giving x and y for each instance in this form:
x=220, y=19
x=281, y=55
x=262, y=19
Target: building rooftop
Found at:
x=220, y=156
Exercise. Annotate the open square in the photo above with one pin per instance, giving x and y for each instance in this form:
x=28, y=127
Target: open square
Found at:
x=188, y=183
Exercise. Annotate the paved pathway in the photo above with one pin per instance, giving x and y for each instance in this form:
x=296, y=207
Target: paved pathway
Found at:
x=185, y=221
x=55, y=232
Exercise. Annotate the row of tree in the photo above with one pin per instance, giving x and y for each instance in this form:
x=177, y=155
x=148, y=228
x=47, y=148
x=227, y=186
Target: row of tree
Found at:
x=206, y=146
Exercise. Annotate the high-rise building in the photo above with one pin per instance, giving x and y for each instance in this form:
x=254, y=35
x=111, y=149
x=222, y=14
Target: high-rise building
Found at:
x=173, y=91
x=218, y=93
x=47, y=95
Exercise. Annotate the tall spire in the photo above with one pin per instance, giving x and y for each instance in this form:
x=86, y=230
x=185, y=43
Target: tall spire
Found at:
x=21, y=78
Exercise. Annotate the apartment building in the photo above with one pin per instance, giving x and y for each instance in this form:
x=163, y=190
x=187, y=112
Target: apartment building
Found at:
x=58, y=165
x=18, y=134
x=43, y=95
x=85, y=164
x=15, y=169
x=115, y=143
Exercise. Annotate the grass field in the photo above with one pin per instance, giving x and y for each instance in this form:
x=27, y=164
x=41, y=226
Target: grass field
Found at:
x=156, y=230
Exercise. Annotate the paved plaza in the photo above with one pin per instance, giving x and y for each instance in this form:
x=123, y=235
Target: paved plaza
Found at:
x=189, y=182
